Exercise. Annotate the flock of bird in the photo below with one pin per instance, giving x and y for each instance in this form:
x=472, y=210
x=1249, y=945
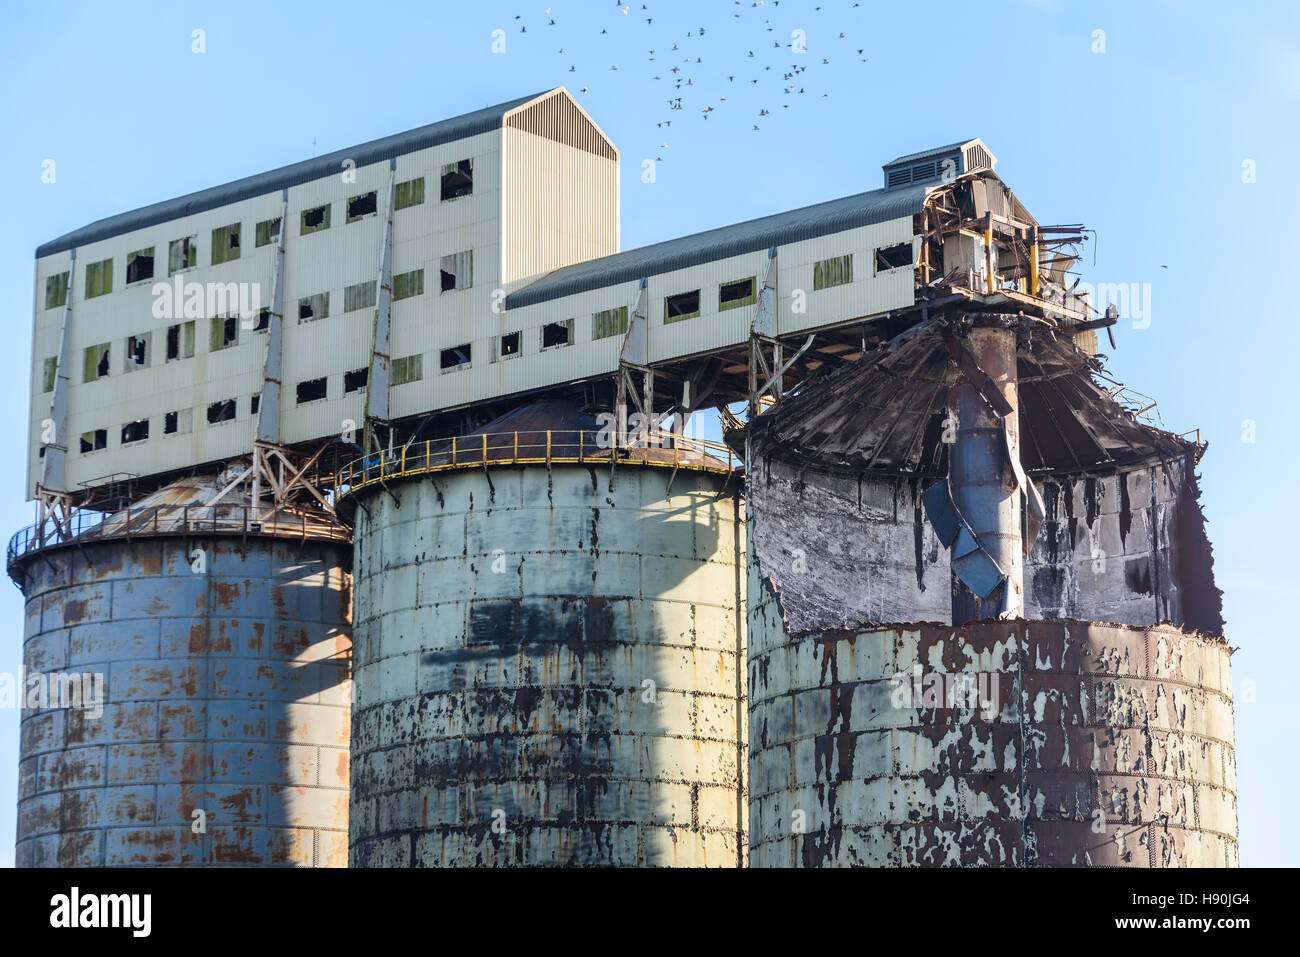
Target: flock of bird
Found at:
x=752, y=66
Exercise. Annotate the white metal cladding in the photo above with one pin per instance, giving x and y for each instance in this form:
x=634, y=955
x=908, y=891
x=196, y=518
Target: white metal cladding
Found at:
x=559, y=205
x=437, y=320
x=537, y=205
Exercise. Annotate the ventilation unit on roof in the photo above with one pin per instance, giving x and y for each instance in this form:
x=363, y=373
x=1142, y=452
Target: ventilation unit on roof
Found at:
x=944, y=163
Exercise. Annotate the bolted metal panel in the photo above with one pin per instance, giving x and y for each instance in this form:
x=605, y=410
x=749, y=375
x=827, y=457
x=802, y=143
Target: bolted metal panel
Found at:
x=1079, y=744
x=225, y=689
x=547, y=671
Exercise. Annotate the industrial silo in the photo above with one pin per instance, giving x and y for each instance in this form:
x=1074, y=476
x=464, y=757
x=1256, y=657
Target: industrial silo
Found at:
x=549, y=644
x=207, y=651
x=1086, y=721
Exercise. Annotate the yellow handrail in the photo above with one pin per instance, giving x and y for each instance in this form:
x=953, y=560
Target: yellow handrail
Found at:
x=444, y=454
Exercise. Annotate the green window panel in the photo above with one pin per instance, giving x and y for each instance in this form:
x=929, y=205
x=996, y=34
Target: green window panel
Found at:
x=609, y=322
x=683, y=306
x=315, y=220
x=49, y=372
x=99, y=278
x=359, y=207
x=56, y=291
x=457, y=271
x=408, y=369
x=96, y=362
x=224, y=333
x=139, y=265
x=268, y=231
x=311, y=308
x=410, y=193
x=733, y=295
x=557, y=334
x=182, y=254
x=360, y=296
x=225, y=244
x=94, y=440
x=833, y=272
x=408, y=284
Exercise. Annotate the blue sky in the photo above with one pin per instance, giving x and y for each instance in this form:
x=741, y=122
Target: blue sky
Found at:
x=1144, y=142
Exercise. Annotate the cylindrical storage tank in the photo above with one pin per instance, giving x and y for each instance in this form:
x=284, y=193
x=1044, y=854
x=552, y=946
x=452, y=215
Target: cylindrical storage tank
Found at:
x=548, y=657
x=209, y=653
x=1003, y=743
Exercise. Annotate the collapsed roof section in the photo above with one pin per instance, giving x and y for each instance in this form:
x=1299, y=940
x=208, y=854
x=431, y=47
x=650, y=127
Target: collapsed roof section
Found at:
x=886, y=412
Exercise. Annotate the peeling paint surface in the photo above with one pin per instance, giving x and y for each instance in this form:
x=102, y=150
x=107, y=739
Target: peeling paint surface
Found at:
x=549, y=671
x=227, y=691
x=1105, y=745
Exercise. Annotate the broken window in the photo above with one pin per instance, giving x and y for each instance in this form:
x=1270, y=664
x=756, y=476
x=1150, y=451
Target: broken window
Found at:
x=255, y=403
x=94, y=440
x=833, y=272
x=225, y=244
x=262, y=321
x=360, y=296
x=457, y=179
x=509, y=345
x=311, y=389
x=225, y=333
x=315, y=219
x=96, y=362
x=610, y=322
x=893, y=257
x=408, y=284
x=457, y=271
x=355, y=380
x=139, y=265
x=557, y=334
x=268, y=231
x=99, y=278
x=455, y=357
x=137, y=352
x=361, y=206
x=733, y=295
x=683, y=306
x=314, y=307
x=410, y=193
x=223, y=411
x=49, y=372
x=136, y=431
x=56, y=290
x=408, y=369
x=182, y=254
x=180, y=422
x=180, y=341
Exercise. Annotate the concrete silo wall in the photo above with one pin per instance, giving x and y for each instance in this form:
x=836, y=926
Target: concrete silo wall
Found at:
x=548, y=670
x=226, y=691
x=1104, y=745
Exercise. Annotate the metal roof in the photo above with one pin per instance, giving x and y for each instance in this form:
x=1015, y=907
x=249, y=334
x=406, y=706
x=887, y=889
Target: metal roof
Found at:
x=444, y=131
x=927, y=154
x=862, y=209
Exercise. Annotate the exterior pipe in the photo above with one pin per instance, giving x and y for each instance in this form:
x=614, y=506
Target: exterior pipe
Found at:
x=984, y=486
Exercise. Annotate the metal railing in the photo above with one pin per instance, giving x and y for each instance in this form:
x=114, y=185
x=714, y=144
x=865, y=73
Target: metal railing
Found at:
x=161, y=520
x=553, y=446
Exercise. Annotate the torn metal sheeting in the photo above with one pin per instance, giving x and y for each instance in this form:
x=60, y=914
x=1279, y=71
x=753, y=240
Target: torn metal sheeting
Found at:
x=885, y=412
x=976, y=569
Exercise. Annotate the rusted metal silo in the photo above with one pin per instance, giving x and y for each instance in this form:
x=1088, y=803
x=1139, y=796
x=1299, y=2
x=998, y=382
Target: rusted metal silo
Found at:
x=210, y=647
x=548, y=652
x=911, y=704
